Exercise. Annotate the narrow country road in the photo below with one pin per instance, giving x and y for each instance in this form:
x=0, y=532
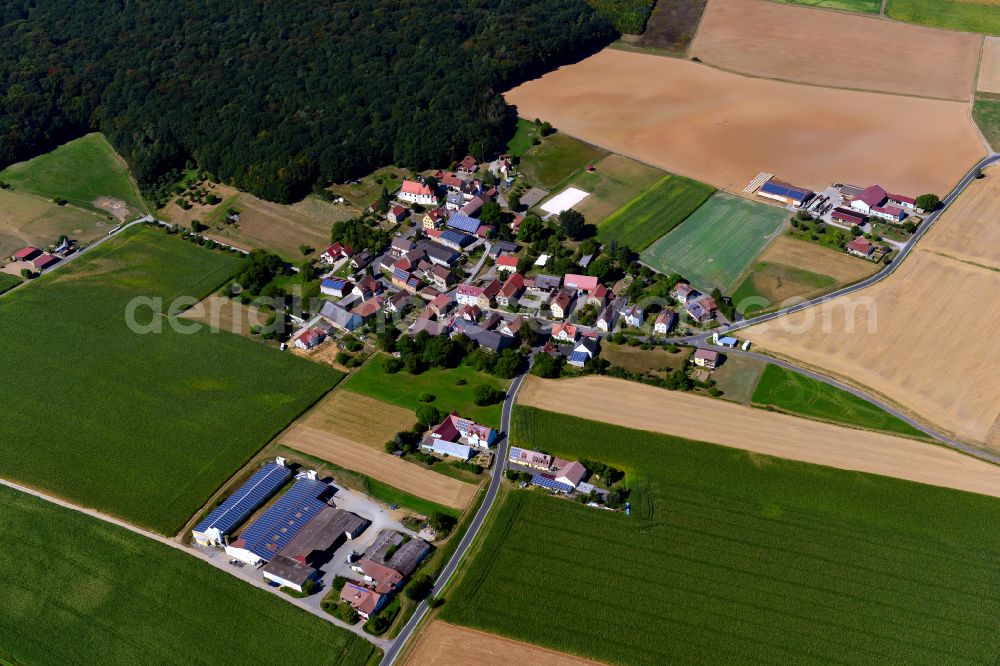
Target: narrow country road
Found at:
x=392, y=653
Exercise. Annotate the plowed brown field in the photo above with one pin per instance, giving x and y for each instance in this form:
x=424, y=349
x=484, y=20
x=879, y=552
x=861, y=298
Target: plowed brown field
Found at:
x=378, y=465
x=782, y=41
x=933, y=348
x=724, y=128
x=989, y=66
x=442, y=643
x=644, y=407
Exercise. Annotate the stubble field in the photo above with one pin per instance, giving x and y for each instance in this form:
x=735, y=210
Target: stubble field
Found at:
x=359, y=418
x=682, y=116
x=442, y=643
x=931, y=350
x=835, y=49
x=630, y=404
x=989, y=66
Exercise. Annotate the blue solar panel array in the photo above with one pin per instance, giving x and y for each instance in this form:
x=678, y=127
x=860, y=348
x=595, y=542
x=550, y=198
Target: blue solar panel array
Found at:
x=267, y=535
x=546, y=482
x=783, y=190
x=456, y=237
x=578, y=357
x=463, y=222
x=262, y=485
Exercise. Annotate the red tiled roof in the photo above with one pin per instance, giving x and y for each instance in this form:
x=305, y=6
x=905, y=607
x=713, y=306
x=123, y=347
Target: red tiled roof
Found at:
x=45, y=261
x=25, y=253
x=860, y=244
x=902, y=199
x=413, y=187
x=873, y=195
x=492, y=289
x=580, y=282
x=507, y=260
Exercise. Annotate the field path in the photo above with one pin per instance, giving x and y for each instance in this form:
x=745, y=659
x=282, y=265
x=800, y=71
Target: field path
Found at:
x=643, y=407
x=219, y=563
x=389, y=469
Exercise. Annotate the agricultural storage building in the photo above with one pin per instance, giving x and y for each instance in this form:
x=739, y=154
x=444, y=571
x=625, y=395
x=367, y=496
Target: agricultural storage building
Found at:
x=277, y=526
x=785, y=193
x=550, y=484
x=238, y=506
x=289, y=572
x=296, y=563
x=847, y=216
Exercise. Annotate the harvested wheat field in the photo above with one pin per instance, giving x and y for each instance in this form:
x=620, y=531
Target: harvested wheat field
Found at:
x=359, y=418
x=378, y=465
x=837, y=49
x=224, y=314
x=818, y=259
x=644, y=407
x=724, y=128
x=932, y=349
x=989, y=66
x=443, y=643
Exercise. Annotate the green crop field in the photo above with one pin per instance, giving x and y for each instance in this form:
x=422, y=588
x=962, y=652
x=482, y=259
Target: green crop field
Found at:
x=81, y=172
x=792, y=392
x=982, y=16
x=715, y=244
x=557, y=158
x=735, y=557
x=864, y=6
x=81, y=591
x=986, y=113
x=142, y=426
x=8, y=282
x=769, y=284
x=655, y=212
x=404, y=389
x=628, y=16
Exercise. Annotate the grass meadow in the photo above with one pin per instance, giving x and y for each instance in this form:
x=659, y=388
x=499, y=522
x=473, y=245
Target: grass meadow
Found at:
x=863, y=6
x=615, y=181
x=975, y=16
x=524, y=137
x=769, y=284
x=557, y=158
x=792, y=392
x=717, y=243
x=79, y=171
x=734, y=557
x=453, y=389
x=81, y=591
x=986, y=113
x=8, y=282
x=144, y=427
x=655, y=212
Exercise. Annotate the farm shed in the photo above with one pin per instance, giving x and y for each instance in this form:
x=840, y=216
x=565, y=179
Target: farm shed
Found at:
x=784, y=192
x=238, y=506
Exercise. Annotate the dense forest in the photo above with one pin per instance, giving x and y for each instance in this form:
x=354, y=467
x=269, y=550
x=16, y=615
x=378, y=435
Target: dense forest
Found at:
x=276, y=95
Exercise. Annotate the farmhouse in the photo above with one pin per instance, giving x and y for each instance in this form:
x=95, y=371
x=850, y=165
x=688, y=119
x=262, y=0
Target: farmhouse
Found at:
x=861, y=247
x=266, y=536
x=400, y=246
x=528, y=458
x=456, y=240
x=432, y=328
x=571, y=473
x=875, y=197
x=444, y=448
x=438, y=254
x=366, y=602
x=368, y=308
x=473, y=206
x=488, y=340
x=893, y=214
x=298, y=562
x=417, y=192
x=706, y=358
x=249, y=497
x=777, y=190
x=581, y=283
x=390, y=559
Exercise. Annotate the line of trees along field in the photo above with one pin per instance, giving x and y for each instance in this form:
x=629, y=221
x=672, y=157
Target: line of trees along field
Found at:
x=277, y=96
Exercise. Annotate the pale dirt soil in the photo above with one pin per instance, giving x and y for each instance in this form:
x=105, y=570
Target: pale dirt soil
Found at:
x=441, y=643
x=723, y=128
x=643, y=407
x=989, y=66
x=225, y=314
x=816, y=258
x=933, y=350
x=359, y=418
x=379, y=465
x=837, y=49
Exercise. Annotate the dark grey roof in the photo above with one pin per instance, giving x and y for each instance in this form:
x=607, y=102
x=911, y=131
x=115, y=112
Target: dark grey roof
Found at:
x=288, y=569
x=340, y=317
x=438, y=252
x=325, y=530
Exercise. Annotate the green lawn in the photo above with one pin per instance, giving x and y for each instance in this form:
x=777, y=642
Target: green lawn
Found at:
x=557, y=158
x=865, y=6
x=791, y=392
x=404, y=389
x=614, y=182
x=982, y=16
x=986, y=113
x=80, y=171
x=716, y=244
x=769, y=284
x=8, y=282
x=737, y=558
x=142, y=426
x=524, y=137
x=80, y=591
x=655, y=212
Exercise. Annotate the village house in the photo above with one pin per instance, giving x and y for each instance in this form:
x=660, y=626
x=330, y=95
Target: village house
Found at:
x=561, y=304
x=456, y=240
x=454, y=428
x=439, y=254
x=706, y=358
x=580, y=283
x=469, y=313
x=334, y=252
x=454, y=201
x=361, y=260
x=490, y=341
x=417, y=192
x=467, y=294
x=364, y=601
x=861, y=247
x=468, y=164
x=336, y=287
x=440, y=277
x=702, y=309
x=632, y=315
x=506, y=264
x=511, y=290
x=606, y=319
x=406, y=280
x=397, y=214
x=583, y=351
x=428, y=326
x=473, y=206
x=487, y=299
x=529, y=458
x=367, y=287
x=400, y=246
x=390, y=559
x=450, y=180
x=441, y=305
x=665, y=321
x=339, y=317
x=397, y=302
x=565, y=332
x=369, y=308
x=434, y=219
x=461, y=222
x=684, y=292
x=308, y=338
x=512, y=327
x=599, y=296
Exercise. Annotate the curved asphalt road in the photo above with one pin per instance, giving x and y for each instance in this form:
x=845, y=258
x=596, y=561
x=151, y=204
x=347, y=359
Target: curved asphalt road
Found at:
x=477, y=522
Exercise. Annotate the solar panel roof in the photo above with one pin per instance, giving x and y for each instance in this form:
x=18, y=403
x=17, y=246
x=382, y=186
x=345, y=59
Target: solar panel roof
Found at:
x=258, y=488
x=545, y=482
x=463, y=222
x=579, y=357
x=783, y=190
x=267, y=535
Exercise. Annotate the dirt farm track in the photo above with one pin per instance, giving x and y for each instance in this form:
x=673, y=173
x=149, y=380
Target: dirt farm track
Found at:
x=724, y=128
x=635, y=405
x=933, y=350
x=442, y=643
x=782, y=41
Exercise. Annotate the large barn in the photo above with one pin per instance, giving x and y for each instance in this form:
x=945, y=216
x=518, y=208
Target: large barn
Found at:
x=248, y=498
x=785, y=193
